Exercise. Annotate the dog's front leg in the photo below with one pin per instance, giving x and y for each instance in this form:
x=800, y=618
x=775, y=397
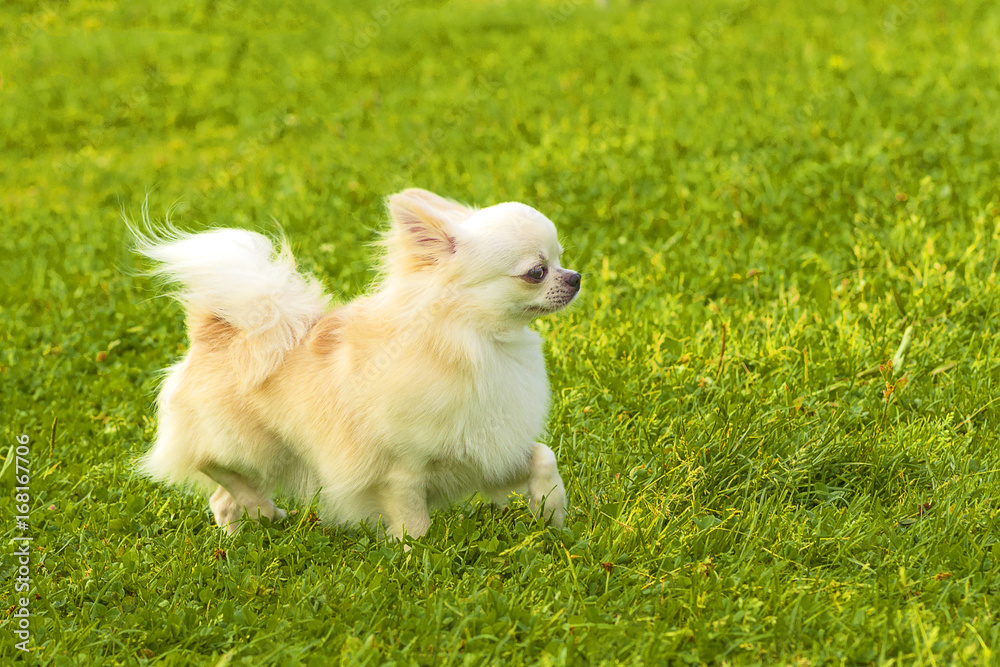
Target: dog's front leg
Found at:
x=545, y=488
x=542, y=484
x=404, y=505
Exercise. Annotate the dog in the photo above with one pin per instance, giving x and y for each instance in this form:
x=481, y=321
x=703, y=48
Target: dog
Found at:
x=426, y=390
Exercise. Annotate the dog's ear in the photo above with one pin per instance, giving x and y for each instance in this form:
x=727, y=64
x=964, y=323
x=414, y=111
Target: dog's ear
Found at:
x=457, y=213
x=421, y=233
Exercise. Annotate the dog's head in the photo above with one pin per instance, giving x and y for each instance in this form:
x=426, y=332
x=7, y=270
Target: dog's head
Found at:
x=498, y=265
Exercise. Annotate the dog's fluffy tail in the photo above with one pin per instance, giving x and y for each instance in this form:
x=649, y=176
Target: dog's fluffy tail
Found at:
x=233, y=280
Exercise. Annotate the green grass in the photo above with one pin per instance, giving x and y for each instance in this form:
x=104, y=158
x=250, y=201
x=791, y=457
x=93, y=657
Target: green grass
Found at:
x=795, y=183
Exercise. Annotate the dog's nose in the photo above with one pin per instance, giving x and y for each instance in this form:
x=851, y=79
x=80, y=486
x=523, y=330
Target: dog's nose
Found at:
x=573, y=280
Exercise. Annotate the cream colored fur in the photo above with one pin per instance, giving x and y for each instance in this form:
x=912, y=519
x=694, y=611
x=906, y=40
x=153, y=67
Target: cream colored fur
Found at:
x=427, y=390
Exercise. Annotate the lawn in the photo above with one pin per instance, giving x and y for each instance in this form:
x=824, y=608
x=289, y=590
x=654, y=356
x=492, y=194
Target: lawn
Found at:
x=763, y=199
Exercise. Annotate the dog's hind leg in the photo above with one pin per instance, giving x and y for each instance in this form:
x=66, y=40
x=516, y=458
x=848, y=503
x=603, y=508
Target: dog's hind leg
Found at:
x=235, y=495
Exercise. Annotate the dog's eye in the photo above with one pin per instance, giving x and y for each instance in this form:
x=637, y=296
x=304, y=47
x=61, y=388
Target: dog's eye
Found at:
x=536, y=274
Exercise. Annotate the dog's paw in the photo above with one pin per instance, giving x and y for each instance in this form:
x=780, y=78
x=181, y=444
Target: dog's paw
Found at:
x=231, y=527
x=548, y=499
x=551, y=507
x=226, y=511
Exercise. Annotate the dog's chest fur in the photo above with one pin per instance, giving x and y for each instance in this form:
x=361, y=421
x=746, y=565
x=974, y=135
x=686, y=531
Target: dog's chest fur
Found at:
x=486, y=426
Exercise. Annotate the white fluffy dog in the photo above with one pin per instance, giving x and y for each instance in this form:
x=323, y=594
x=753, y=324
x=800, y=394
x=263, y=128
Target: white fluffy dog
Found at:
x=428, y=389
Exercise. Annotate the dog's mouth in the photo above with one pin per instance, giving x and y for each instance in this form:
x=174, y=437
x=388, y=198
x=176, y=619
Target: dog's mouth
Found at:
x=538, y=310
